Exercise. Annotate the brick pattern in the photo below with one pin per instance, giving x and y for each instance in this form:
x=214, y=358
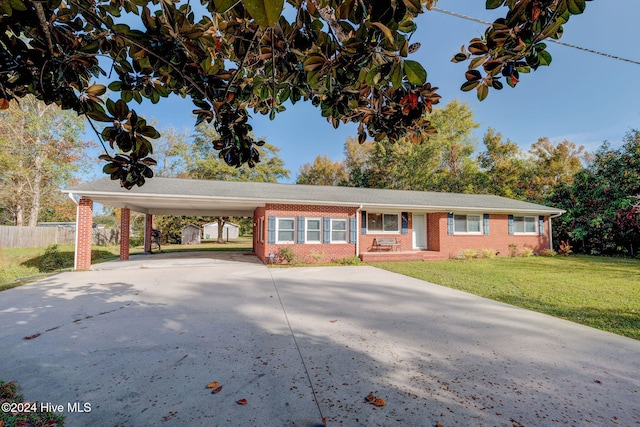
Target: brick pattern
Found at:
x=311, y=253
x=498, y=239
x=125, y=221
x=84, y=234
x=440, y=245
x=148, y=228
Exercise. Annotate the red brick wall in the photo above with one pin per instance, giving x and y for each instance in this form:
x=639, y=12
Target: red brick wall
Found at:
x=258, y=246
x=148, y=228
x=405, y=240
x=310, y=253
x=498, y=239
x=125, y=220
x=84, y=234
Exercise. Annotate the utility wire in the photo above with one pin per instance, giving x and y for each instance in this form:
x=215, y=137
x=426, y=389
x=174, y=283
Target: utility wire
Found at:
x=480, y=21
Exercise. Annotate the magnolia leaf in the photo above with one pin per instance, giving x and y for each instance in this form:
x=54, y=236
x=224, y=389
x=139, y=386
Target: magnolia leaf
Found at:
x=265, y=12
x=242, y=402
x=110, y=168
x=544, y=58
x=217, y=390
x=415, y=73
x=467, y=86
x=96, y=90
x=576, y=7
x=385, y=30
x=221, y=6
x=483, y=91
x=4, y=104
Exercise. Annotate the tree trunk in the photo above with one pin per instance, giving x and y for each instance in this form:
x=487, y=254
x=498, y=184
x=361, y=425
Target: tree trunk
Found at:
x=37, y=187
x=221, y=223
x=18, y=216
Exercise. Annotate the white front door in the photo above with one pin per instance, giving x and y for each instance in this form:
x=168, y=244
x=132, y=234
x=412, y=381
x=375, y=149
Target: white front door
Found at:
x=419, y=231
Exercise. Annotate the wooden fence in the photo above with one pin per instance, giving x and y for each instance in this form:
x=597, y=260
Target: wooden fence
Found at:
x=31, y=237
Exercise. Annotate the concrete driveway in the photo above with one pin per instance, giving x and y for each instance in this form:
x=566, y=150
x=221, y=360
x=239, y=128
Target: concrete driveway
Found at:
x=140, y=342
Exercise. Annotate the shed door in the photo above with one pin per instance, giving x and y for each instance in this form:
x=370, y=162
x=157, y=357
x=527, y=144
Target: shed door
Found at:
x=419, y=231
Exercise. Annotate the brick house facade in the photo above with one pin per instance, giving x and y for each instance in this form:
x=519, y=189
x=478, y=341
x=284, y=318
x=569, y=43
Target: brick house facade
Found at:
x=322, y=224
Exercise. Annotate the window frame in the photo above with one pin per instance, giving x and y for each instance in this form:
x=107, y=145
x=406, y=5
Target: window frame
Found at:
x=306, y=230
x=279, y=229
x=467, y=232
x=524, y=225
x=383, y=231
x=345, y=230
x=261, y=229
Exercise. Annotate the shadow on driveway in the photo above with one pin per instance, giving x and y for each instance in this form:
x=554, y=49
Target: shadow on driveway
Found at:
x=141, y=344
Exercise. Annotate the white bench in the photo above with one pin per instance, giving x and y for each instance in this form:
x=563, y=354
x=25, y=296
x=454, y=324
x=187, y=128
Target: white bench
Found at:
x=385, y=242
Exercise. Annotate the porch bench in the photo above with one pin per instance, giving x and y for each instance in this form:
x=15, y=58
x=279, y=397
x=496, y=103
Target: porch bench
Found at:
x=385, y=242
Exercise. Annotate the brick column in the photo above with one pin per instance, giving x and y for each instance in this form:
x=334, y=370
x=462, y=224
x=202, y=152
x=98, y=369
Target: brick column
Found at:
x=84, y=234
x=148, y=227
x=125, y=229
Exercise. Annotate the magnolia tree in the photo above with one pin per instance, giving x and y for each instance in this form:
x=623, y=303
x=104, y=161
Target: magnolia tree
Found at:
x=348, y=58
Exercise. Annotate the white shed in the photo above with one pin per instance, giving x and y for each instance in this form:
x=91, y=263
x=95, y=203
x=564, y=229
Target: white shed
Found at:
x=229, y=230
x=191, y=235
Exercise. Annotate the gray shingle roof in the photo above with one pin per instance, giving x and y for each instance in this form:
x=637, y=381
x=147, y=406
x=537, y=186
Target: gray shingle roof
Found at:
x=173, y=193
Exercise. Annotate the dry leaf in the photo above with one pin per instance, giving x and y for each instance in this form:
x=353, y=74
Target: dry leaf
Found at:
x=370, y=398
x=242, y=402
x=213, y=384
x=324, y=422
x=379, y=402
x=217, y=390
x=332, y=321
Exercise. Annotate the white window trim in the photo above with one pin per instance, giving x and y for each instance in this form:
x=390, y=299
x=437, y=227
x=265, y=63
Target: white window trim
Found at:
x=469, y=233
x=383, y=231
x=526, y=233
x=261, y=229
x=306, y=230
x=346, y=230
x=285, y=242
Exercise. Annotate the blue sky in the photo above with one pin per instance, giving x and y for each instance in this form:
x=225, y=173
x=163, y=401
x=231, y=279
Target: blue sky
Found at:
x=582, y=97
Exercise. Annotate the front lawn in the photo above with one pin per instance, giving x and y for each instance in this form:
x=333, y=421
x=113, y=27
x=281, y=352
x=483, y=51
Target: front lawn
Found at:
x=603, y=293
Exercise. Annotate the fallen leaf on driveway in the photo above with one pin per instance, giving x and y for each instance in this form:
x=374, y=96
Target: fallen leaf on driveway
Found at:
x=332, y=321
x=379, y=402
x=217, y=390
x=213, y=384
x=370, y=398
x=242, y=402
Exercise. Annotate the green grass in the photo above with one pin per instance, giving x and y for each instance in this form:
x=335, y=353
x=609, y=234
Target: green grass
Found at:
x=603, y=293
x=23, y=265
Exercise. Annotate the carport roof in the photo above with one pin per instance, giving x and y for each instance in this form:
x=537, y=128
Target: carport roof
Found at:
x=177, y=196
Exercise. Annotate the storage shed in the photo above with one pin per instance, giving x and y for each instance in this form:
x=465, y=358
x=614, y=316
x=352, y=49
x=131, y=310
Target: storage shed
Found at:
x=229, y=230
x=191, y=235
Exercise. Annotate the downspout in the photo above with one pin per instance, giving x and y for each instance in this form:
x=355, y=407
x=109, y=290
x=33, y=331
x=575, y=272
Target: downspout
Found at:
x=358, y=228
x=75, y=249
x=551, y=229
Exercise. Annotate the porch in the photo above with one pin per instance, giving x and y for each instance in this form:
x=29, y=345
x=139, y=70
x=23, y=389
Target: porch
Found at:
x=415, y=255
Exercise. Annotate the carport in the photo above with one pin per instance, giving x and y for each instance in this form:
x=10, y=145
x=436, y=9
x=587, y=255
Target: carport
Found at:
x=159, y=196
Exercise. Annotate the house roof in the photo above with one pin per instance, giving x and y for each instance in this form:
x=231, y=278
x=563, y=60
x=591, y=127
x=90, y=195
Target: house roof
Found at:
x=177, y=196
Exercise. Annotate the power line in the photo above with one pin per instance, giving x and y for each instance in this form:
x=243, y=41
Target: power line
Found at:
x=480, y=21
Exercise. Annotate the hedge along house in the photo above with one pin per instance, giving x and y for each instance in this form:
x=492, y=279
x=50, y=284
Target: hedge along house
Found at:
x=322, y=223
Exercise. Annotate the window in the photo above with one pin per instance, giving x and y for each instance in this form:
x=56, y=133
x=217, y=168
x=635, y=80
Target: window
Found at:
x=525, y=225
x=261, y=229
x=313, y=228
x=469, y=224
x=383, y=223
x=338, y=231
x=285, y=230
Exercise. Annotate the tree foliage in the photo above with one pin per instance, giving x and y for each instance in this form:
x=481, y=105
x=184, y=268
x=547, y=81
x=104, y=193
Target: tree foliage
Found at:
x=40, y=149
x=323, y=171
x=600, y=202
x=348, y=58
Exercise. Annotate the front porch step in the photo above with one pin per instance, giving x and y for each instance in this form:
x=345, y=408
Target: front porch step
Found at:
x=402, y=256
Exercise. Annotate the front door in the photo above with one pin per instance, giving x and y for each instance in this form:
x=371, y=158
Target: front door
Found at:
x=419, y=231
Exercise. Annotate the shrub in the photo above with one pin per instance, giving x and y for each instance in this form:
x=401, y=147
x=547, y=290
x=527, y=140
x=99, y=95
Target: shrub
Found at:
x=317, y=256
x=52, y=259
x=9, y=394
x=548, y=252
x=354, y=260
x=488, y=253
x=287, y=254
x=565, y=248
x=513, y=249
x=526, y=252
x=469, y=253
